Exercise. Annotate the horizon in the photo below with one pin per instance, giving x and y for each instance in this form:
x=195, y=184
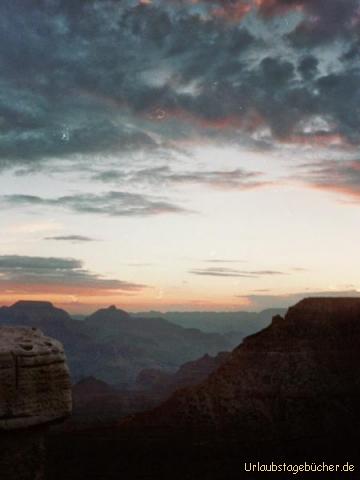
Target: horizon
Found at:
x=291, y=302
x=80, y=312
x=179, y=156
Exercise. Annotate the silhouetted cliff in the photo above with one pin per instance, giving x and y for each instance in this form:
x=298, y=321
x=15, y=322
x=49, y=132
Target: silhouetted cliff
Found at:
x=298, y=378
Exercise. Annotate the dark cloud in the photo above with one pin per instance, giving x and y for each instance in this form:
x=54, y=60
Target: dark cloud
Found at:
x=338, y=97
x=27, y=272
x=222, y=179
x=115, y=204
x=109, y=78
x=324, y=22
x=274, y=7
x=308, y=66
x=337, y=176
x=9, y=263
x=231, y=272
x=76, y=80
x=71, y=238
x=321, y=20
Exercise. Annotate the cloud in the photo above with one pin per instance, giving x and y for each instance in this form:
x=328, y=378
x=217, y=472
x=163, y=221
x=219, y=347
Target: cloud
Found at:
x=234, y=273
x=320, y=20
x=261, y=302
x=50, y=274
x=71, y=238
x=117, y=79
x=235, y=10
x=238, y=179
x=324, y=22
x=69, y=89
x=337, y=176
x=113, y=203
x=308, y=66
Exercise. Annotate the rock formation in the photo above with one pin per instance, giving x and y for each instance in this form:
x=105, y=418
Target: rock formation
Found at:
x=58, y=324
x=91, y=386
x=190, y=373
x=110, y=344
x=298, y=378
x=35, y=391
x=96, y=403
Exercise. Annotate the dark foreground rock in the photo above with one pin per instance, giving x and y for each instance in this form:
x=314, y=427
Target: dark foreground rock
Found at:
x=160, y=454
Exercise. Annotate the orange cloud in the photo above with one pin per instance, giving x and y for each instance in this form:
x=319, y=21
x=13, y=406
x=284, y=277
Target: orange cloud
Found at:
x=236, y=10
x=273, y=7
x=62, y=289
x=233, y=12
x=339, y=177
x=343, y=190
x=319, y=139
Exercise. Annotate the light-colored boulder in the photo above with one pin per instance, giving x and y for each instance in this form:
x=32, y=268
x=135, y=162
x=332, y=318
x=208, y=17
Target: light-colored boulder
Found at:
x=35, y=384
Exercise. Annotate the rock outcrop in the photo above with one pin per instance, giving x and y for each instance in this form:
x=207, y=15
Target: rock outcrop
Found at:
x=189, y=374
x=91, y=386
x=35, y=391
x=298, y=378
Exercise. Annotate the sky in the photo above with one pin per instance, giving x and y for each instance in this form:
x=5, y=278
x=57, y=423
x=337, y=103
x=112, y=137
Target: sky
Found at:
x=179, y=154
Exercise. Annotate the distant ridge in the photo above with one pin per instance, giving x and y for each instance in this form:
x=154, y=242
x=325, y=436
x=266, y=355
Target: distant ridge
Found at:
x=240, y=323
x=108, y=313
x=33, y=304
x=112, y=345
x=33, y=311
